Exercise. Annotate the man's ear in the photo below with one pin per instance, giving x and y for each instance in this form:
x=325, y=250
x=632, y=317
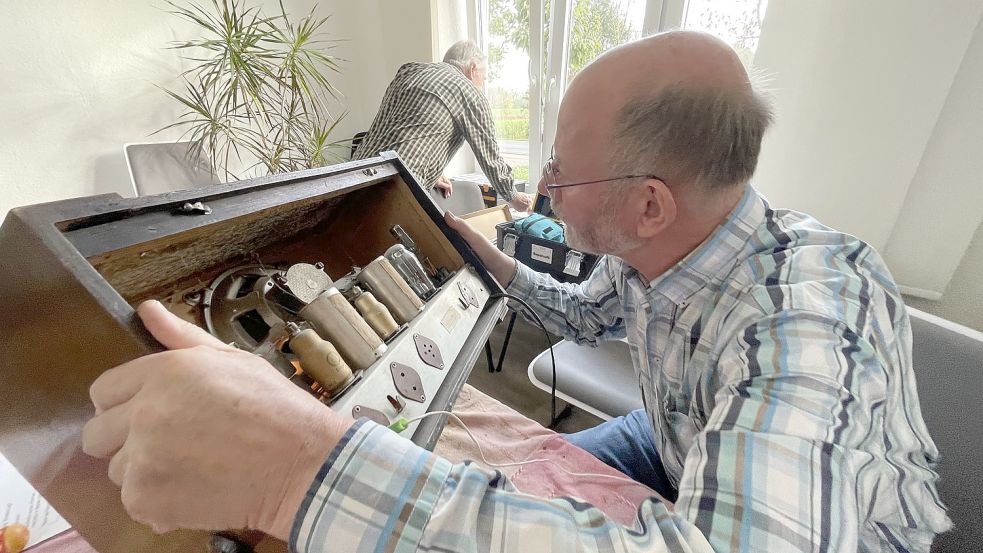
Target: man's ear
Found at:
x=658, y=208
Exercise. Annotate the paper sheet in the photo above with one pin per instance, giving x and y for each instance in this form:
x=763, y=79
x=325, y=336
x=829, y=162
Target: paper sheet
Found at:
x=21, y=503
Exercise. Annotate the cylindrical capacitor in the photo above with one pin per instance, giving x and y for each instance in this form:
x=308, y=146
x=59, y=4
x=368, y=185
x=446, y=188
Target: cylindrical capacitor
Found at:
x=391, y=289
x=375, y=313
x=336, y=320
x=409, y=266
x=319, y=359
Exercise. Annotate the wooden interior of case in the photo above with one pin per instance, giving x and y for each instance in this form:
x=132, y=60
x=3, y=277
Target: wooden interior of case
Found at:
x=340, y=231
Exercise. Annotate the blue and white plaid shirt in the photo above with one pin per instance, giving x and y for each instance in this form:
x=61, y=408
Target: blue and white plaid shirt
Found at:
x=775, y=364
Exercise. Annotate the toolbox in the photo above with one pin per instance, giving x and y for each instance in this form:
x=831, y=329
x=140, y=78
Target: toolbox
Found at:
x=557, y=259
x=233, y=259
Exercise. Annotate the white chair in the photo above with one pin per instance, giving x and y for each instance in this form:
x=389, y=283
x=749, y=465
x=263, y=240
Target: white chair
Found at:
x=466, y=198
x=158, y=167
x=948, y=360
x=598, y=380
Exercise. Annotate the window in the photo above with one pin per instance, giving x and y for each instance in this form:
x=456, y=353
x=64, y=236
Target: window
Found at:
x=737, y=22
x=536, y=47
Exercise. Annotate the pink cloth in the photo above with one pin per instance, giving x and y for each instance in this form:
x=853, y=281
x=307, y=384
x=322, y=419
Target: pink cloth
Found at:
x=68, y=541
x=507, y=436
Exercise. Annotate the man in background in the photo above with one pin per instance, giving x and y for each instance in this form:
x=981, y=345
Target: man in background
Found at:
x=429, y=110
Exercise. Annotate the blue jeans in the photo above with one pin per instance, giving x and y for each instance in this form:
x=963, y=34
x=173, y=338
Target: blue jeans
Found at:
x=628, y=444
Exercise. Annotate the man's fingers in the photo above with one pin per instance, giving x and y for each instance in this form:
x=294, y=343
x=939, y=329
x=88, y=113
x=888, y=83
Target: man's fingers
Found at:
x=106, y=433
x=460, y=225
x=118, y=465
x=118, y=385
x=174, y=332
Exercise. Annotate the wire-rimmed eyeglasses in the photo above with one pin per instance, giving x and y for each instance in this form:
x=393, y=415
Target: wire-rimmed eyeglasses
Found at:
x=549, y=175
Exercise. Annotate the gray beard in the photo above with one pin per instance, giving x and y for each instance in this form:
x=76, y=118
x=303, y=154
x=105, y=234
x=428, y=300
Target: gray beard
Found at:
x=604, y=238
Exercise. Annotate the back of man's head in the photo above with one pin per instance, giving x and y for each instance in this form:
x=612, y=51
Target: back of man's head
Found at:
x=682, y=107
x=463, y=54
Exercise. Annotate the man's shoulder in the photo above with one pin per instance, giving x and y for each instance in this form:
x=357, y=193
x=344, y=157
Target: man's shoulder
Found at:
x=798, y=264
x=441, y=70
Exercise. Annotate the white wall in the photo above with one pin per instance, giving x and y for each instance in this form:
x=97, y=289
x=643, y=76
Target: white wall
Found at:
x=381, y=35
x=859, y=87
x=880, y=131
x=963, y=298
x=79, y=81
x=944, y=205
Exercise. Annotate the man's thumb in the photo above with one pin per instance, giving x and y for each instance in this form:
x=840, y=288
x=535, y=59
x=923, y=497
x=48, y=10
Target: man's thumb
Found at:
x=172, y=331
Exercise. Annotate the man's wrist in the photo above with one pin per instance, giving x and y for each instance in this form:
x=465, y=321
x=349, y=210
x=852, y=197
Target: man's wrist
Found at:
x=324, y=438
x=506, y=272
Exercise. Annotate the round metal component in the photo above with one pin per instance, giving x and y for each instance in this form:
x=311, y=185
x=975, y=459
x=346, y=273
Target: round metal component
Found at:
x=307, y=281
x=238, y=306
x=193, y=298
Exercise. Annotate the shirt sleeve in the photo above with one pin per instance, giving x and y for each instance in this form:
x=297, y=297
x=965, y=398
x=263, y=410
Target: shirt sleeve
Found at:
x=774, y=470
x=478, y=128
x=585, y=313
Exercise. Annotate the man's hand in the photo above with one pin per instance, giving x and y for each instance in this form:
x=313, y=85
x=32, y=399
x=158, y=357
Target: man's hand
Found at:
x=501, y=266
x=521, y=201
x=206, y=436
x=445, y=186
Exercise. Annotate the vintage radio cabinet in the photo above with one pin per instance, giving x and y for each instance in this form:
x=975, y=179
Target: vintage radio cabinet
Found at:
x=73, y=271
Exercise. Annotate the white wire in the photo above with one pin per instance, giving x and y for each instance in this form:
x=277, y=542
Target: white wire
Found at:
x=528, y=461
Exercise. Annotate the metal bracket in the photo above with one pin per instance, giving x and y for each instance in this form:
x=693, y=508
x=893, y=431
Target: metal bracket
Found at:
x=195, y=208
x=573, y=264
x=467, y=295
x=373, y=415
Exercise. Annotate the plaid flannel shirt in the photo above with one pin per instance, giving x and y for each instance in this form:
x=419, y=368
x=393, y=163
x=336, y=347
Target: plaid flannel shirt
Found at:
x=427, y=112
x=775, y=366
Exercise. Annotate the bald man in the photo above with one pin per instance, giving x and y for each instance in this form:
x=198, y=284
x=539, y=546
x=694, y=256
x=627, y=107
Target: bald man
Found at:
x=773, y=356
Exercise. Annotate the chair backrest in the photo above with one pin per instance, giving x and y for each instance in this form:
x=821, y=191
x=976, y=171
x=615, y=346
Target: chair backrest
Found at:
x=465, y=199
x=158, y=167
x=948, y=360
x=356, y=141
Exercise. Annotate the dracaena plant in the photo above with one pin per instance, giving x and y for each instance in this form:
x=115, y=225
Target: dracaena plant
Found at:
x=257, y=94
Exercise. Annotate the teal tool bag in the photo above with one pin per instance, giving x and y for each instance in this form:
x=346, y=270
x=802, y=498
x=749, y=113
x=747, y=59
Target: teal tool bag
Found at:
x=540, y=226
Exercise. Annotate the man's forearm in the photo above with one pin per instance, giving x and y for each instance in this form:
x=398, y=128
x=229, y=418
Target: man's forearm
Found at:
x=504, y=268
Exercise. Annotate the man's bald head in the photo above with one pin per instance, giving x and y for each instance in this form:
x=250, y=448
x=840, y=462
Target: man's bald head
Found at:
x=678, y=105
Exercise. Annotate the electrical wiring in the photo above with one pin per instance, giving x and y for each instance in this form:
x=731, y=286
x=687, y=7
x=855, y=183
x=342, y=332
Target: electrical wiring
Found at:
x=549, y=343
x=402, y=423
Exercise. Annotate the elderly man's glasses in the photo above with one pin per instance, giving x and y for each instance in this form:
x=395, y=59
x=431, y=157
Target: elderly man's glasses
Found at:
x=549, y=175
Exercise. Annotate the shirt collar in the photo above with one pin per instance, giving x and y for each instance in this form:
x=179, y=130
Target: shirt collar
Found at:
x=713, y=259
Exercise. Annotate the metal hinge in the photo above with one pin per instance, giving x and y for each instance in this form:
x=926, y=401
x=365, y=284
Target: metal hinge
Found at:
x=509, y=242
x=193, y=208
x=574, y=261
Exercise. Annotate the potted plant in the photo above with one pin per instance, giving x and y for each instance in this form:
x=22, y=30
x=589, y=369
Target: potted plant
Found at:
x=258, y=94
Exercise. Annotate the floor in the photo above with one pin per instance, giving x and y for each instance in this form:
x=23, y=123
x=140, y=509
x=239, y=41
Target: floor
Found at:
x=512, y=386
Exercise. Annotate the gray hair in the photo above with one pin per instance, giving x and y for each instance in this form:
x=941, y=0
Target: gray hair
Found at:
x=701, y=134
x=462, y=54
